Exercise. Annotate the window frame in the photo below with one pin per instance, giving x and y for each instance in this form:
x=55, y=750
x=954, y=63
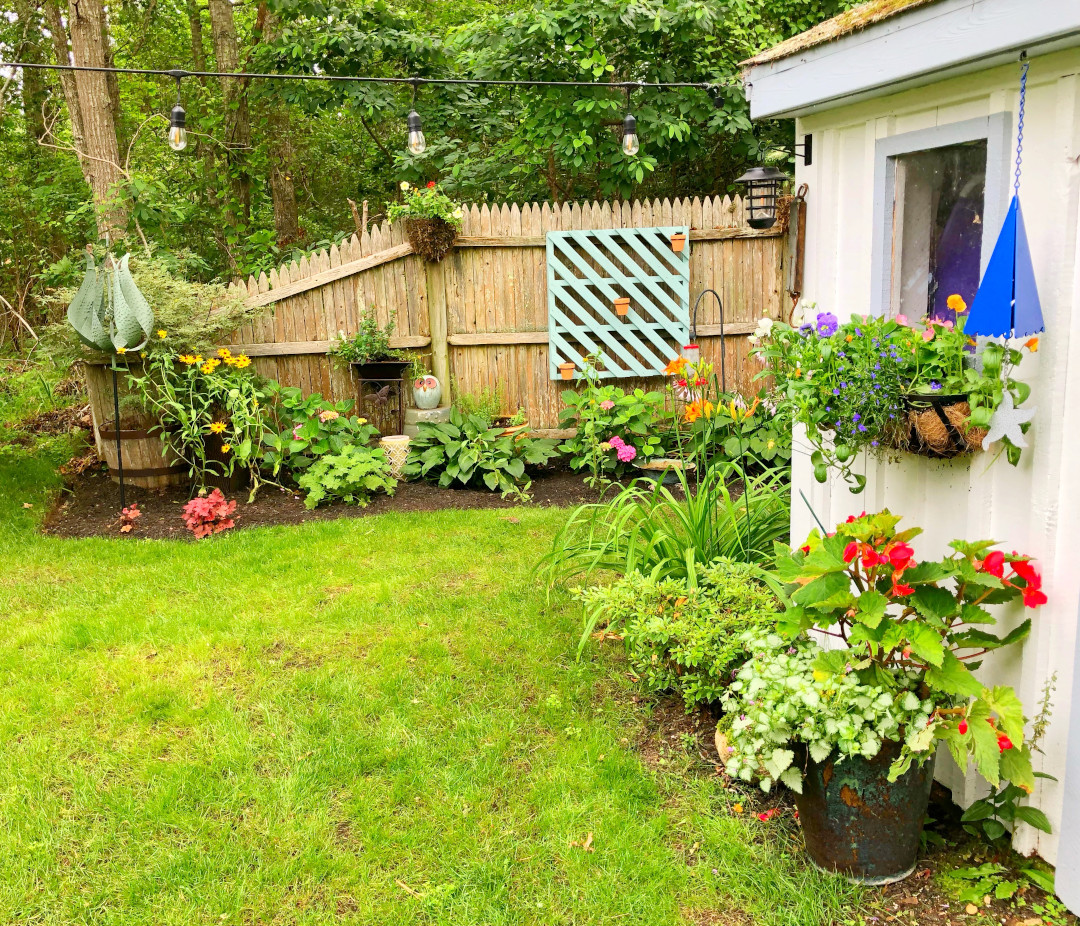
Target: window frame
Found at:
x=995, y=130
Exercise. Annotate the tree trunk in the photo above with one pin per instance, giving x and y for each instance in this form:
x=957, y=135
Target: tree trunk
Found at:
x=237, y=121
x=101, y=161
x=279, y=143
x=61, y=55
x=198, y=50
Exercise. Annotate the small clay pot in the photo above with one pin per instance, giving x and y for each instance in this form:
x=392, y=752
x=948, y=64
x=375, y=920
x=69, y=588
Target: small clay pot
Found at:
x=566, y=370
x=622, y=305
x=678, y=242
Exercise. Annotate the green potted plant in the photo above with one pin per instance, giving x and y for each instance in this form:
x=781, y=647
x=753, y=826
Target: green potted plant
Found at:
x=369, y=352
x=881, y=384
x=432, y=219
x=854, y=729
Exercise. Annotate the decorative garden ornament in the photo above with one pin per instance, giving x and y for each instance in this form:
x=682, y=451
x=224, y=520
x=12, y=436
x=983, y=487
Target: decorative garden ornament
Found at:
x=1007, y=302
x=1006, y=422
x=427, y=392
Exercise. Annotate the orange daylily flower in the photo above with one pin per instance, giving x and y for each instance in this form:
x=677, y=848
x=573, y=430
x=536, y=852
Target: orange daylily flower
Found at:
x=1032, y=344
x=676, y=367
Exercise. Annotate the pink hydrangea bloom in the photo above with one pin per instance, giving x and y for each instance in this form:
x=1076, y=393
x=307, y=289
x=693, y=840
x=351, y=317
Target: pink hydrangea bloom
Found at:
x=616, y=442
x=606, y=404
x=626, y=453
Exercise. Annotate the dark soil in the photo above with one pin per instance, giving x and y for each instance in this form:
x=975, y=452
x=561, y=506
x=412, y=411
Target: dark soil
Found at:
x=90, y=504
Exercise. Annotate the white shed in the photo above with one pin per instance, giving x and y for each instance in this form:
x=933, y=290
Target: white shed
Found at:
x=893, y=95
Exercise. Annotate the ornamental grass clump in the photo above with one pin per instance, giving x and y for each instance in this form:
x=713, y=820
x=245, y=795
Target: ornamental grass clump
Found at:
x=878, y=384
x=909, y=636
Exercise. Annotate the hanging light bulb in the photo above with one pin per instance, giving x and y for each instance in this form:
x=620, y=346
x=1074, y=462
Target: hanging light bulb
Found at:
x=417, y=142
x=177, y=124
x=630, y=143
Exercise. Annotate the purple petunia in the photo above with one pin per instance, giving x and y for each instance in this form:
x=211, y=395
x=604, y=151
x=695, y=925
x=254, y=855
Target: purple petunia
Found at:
x=836, y=390
x=827, y=323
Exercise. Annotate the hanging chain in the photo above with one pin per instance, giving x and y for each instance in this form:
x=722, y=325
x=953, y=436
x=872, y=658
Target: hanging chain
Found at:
x=1020, y=124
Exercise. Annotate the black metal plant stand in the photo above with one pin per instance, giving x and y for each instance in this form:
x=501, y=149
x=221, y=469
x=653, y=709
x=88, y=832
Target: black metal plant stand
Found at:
x=384, y=376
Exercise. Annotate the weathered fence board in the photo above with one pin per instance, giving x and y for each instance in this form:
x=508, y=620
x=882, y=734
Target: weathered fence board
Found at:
x=480, y=316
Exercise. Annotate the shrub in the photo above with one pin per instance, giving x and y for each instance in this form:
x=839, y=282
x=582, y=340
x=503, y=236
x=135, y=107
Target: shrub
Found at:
x=352, y=475
x=209, y=514
x=467, y=451
x=647, y=528
x=305, y=429
x=427, y=202
x=679, y=638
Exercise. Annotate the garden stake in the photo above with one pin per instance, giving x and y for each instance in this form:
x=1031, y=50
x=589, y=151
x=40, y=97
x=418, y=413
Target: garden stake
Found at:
x=116, y=427
x=802, y=495
x=723, y=390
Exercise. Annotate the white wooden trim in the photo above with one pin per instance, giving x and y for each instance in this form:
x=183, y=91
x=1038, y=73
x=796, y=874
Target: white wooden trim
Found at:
x=996, y=129
x=924, y=45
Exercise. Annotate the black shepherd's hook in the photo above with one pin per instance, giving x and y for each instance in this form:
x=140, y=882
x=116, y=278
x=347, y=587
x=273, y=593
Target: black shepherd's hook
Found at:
x=693, y=332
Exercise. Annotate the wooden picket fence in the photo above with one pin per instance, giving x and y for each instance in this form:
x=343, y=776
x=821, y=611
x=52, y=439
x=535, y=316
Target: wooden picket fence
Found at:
x=480, y=315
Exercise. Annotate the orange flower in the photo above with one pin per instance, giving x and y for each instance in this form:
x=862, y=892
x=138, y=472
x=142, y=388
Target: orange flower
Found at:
x=956, y=303
x=1032, y=344
x=675, y=367
x=697, y=409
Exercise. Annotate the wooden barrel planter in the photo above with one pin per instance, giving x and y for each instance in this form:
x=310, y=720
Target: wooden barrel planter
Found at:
x=140, y=440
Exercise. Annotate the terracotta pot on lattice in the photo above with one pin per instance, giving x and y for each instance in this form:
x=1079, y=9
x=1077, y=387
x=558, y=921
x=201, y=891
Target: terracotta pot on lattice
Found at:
x=432, y=239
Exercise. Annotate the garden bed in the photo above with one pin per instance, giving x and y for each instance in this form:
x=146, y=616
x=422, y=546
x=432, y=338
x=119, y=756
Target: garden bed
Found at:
x=89, y=505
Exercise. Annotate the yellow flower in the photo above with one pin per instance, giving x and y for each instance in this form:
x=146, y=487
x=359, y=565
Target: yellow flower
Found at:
x=1032, y=344
x=218, y=427
x=361, y=420
x=224, y=352
x=162, y=333
x=738, y=808
x=242, y=361
x=142, y=353
x=956, y=303
x=197, y=358
x=121, y=350
x=226, y=448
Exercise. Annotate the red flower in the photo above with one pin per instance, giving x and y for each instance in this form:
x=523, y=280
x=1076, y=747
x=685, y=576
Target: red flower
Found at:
x=994, y=564
x=1004, y=742
x=431, y=184
x=1033, y=597
x=962, y=728
x=767, y=815
x=851, y=551
x=805, y=549
x=900, y=556
x=681, y=383
x=899, y=590
x=1027, y=572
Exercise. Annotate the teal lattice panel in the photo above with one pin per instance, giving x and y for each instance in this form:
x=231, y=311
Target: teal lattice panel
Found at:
x=587, y=271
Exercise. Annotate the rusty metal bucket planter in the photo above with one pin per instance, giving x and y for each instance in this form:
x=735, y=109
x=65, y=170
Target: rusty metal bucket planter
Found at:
x=858, y=823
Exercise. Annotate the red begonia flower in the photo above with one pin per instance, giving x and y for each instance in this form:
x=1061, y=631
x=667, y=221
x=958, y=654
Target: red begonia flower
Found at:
x=851, y=551
x=1033, y=597
x=994, y=563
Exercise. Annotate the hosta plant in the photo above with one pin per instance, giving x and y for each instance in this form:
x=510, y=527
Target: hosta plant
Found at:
x=679, y=638
x=352, y=475
x=467, y=451
x=913, y=632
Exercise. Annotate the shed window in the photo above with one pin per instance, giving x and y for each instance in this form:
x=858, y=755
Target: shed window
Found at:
x=938, y=206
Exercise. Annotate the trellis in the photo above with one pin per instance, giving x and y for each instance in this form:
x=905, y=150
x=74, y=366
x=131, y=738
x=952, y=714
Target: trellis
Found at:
x=588, y=270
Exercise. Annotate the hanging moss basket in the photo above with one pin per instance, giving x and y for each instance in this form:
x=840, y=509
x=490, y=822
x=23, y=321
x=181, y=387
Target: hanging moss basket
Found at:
x=432, y=239
x=938, y=426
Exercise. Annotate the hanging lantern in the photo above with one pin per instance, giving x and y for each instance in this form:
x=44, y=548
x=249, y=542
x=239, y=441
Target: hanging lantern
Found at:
x=763, y=186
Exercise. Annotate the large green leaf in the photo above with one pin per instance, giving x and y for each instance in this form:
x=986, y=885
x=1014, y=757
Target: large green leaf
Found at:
x=133, y=319
x=86, y=313
x=953, y=677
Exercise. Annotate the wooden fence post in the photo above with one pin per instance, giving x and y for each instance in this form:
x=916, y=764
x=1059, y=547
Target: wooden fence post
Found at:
x=437, y=322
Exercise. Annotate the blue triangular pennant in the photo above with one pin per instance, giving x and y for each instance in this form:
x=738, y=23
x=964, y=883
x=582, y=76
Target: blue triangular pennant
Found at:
x=1007, y=303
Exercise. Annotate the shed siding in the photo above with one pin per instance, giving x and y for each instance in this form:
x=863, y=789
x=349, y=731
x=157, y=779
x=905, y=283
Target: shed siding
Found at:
x=1035, y=507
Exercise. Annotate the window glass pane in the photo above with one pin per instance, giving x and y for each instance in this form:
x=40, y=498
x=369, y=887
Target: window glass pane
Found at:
x=937, y=228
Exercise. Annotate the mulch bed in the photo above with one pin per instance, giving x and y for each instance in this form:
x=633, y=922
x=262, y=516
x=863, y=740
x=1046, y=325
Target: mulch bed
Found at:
x=89, y=506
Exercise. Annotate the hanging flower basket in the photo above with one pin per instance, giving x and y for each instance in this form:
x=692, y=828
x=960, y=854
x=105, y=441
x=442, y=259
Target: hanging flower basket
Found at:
x=432, y=239
x=938, y=426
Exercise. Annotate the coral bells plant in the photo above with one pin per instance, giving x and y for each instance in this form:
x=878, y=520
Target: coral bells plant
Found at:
x=209, y=514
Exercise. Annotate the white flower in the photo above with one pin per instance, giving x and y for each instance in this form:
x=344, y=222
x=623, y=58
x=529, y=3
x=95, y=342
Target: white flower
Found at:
x=755, y=339
x=765, y=325
x=404, y=186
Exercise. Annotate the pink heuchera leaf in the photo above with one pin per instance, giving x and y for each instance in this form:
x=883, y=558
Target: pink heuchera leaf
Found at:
x=209, y=514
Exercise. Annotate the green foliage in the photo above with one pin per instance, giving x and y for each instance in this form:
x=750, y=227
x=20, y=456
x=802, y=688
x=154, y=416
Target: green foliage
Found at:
x=108, y=312
x=485, y=404
x=779, y=698
x=192, y=398
x=852, y=384
x=303, y=429
x=601, y=412
x=426, y=202
x=683, y=639
x=903, y=620
x=351, y=475
x=650, y=529
x=467, y=451
x=370, y=343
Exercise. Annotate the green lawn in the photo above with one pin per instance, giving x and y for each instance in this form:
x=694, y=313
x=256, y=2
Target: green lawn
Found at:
x=364, y=721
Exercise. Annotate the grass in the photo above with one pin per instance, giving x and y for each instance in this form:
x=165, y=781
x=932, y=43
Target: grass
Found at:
x=375, y=721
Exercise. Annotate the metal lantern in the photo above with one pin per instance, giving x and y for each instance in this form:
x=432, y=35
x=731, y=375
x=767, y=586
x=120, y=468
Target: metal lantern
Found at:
x=762, y=191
